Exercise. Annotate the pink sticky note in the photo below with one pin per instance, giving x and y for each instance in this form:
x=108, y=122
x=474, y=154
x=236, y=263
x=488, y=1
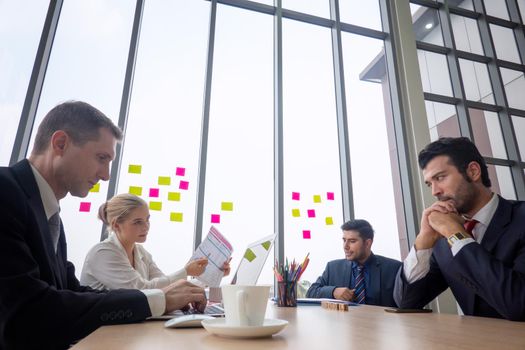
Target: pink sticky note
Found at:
x=85, y=207
x=183, y=185
x=180, y=171
x=296, y=196
x=330, y=196
x=311, y=213
x=306, y=234
x=153, y=192
x=215, y=219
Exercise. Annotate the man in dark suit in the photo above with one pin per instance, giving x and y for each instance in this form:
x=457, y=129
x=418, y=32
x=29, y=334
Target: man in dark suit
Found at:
x=340, y=279
x=470, y=240
x=42, y=305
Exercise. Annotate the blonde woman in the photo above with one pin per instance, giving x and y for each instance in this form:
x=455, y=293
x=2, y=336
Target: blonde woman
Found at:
x=118, y=261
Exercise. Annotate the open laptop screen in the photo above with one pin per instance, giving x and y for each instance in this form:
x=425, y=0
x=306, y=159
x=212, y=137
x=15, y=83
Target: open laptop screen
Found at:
x=253, y=260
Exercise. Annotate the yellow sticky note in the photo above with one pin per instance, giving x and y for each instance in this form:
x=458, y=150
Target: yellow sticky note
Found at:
x=155, y=205
x=227, y=206
x=174, y=196
x=135, y=190
x=296, y=213
x=95, y=188
x=317, y=198
x=164, y=180
x=176, y=217
x=134, y=169
x=329, y=220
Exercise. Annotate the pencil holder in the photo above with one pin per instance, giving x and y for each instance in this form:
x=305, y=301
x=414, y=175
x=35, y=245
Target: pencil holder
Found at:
x=287, y=294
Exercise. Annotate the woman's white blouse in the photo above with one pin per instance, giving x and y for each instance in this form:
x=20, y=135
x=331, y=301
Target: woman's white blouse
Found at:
x=107, y=267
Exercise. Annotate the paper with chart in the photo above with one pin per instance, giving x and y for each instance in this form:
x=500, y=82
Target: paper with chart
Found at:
x=217, y=249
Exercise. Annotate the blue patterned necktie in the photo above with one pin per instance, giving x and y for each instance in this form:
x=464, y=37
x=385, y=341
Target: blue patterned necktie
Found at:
x=359, y=286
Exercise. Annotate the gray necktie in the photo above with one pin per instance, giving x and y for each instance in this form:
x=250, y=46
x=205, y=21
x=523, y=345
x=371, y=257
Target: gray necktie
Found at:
x=54, y=229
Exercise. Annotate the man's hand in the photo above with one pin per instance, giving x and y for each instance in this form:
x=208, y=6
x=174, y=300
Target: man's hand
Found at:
x=343, y=293
x=196, y=267
x=182, y=293
x=428, y=236
x=446, y=224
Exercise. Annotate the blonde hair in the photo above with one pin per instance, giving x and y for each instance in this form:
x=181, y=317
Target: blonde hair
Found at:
x=117, y=208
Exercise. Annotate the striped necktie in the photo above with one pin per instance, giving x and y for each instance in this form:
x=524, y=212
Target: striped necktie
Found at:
x=359, y=286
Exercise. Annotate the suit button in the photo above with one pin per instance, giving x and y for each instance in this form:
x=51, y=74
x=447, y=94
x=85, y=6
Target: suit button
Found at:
x=112, y=315
x=128, y=313
x=104, y=317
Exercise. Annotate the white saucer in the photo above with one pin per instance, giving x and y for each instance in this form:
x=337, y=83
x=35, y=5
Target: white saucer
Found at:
x=218, y=326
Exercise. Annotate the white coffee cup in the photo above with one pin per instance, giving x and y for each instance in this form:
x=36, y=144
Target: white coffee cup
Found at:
x=245, y=305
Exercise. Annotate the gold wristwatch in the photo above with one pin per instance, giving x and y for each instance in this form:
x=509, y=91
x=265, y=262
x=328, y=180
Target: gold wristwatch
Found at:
x=458, y=236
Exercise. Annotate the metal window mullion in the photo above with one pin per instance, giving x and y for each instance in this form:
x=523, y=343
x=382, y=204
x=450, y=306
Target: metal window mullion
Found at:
x=341, y=114
x=124, y=102
x=455, y=72
x=519, y=31
x=36, y=82
x=203, y=152
x=501, y=100
x=278, y=148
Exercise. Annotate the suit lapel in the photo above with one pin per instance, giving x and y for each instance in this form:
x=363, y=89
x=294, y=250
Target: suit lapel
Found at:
x=347, y=273
x=374, y=273
x=496, y=228
x=27, y=181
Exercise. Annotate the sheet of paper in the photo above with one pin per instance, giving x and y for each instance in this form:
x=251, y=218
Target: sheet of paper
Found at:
x=217, y=249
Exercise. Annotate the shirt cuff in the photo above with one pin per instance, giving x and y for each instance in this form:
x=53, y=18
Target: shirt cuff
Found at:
x=417, y=264
x=156, y=301
x=460, y=243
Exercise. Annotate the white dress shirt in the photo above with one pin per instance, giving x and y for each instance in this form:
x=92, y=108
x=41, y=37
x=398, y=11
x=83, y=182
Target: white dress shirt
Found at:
x=156, y=299
x=417, y=262
x=107, y=267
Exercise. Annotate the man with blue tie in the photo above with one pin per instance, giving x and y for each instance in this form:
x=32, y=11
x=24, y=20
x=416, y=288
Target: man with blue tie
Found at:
x=470, y=239
x=361, y=277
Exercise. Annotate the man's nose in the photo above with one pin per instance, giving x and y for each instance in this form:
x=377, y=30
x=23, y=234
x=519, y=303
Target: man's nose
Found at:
x=103, y=174
x=436, y=190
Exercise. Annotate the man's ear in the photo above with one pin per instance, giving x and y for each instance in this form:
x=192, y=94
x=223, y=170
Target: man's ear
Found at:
x=474, y=171
x=368, y=243
x=59, y=141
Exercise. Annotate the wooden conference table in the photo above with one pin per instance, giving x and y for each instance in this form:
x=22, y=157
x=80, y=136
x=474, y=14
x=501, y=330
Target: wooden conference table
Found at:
x=313, y=327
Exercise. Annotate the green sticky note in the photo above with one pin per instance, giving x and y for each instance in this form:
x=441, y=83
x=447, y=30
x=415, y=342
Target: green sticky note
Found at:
x=164, y=180
x=135, y=190
x=176, y=217
x=317, y=198
x=155, y=205
x=249, y=255
x=329, y=220
x=95, y=188
x=227, y=206
x=174, y=196
x=296, y=213
x=134, y=169
x=266, y=245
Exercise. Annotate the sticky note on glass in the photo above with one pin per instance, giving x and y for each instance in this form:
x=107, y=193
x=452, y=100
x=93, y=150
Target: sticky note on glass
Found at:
x=249, y=255
x=95, y=188
x=266, y=245
x=311, y=213
x=296, y=213
x=296, y=196
x=164, y=180
x=180, y=171
x=330, y=196
x=137, y=191
x=227, y=206
x=329, y=220
x=134, y=169
x=155, y=205
x=183, y=185
x=85, y=207
x=174, y=196
x=154, y=192
x=215, y=219
x=317, y=198
x=176, y=217
x=306, y=234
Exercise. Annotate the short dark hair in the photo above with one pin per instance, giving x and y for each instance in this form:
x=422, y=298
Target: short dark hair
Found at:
x=362, y=226
x=80, y=120
x=461, y=152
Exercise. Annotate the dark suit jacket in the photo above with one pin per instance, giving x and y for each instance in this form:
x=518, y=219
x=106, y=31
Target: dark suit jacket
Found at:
x=487, y=279
x=42, y=304
x=338, y=273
